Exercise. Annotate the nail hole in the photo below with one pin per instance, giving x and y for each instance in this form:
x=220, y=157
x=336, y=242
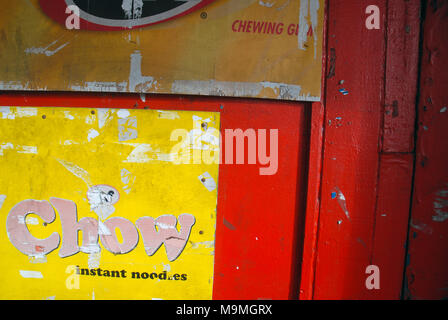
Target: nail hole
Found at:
x=201, y=232
x=92, y=112
x=44, y=116
x=204, y=15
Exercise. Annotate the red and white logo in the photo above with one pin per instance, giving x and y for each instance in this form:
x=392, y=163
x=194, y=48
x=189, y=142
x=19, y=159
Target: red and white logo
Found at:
x=121, y=14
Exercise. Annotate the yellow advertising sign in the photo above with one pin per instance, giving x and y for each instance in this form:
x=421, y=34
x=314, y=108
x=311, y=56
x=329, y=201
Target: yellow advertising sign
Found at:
x=244, y=48
x=95, y=204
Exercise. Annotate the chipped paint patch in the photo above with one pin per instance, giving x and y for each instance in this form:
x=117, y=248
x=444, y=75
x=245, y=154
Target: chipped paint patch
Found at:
x=127, y=179
x=440, y=206
x=31, y=274
x=92, y=134
x=208, y=181
x=266, y=4
x=104, y=116
x=17, y=148
x=204, y=244
x=2, y=200
x=138, y=82
x=339, y=196
x=240, y=89
x=26, y=112
x=171, y=115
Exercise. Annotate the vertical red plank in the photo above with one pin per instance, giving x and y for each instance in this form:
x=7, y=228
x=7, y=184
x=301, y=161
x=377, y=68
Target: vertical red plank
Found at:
x=403, y=29
x=313, y=203
x=426, y=273
x=391, y=223
x=354, y=98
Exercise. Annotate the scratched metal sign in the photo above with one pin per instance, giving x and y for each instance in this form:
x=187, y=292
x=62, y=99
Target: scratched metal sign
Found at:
x=251, y=48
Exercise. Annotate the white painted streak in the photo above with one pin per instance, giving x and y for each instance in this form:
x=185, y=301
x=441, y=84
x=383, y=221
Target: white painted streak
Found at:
x=76, y=171
x=2, y=200
x=240, y=89
x=31, y=274
x=45, y=50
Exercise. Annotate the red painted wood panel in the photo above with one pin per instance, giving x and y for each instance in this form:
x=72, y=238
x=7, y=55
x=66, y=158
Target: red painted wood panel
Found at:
x=259, y=218
x=426, y=273
x=403, y=29
x=391, y=223
x=356, y=58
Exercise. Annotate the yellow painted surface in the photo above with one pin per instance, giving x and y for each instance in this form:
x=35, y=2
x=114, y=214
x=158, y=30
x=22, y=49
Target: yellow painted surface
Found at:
x=188, y=55
x=61, y=152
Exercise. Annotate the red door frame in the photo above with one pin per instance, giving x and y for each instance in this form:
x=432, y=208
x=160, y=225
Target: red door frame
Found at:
x=362, y=153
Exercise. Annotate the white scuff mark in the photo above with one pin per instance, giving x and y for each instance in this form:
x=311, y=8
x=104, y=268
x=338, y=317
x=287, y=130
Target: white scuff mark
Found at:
x=98, y=86
x=421, y=226
x=17, y=148
x=127, y=179
x=50, y=298
x=27, y=149
x=45, y=50
x=206, y=244
x=208, y=181
x=171, y=115
x=93, y=260
x=443, y=110
x=308, y=12
x=92, y=134
x=6, y=113
x=166, y=267
x=441, y=206
x=77, y=171
x=6, y=146
x=31, y=274
x=136, y=78
x=37, y=258
x=2, y=200
x=15, y=85
x=139, y=154
x=26, y=112
x=32, y=220
x=240, y=89
x=156, y=299
x=144, y=153
x=104, y=116
x=266, y=4
x=123, y=113
x=68, y=142
x=67, y=115
x=284, y=5
x=143, y=97
x=93, y=294
x=103, y=229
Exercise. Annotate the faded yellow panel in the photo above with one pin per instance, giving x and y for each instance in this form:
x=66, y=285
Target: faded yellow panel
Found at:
x=224, y=54
x=65, y=153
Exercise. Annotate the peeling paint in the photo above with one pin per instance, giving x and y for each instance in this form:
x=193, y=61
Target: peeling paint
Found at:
x=45, y=50
x=136, y=79
x=2, y=200
x=77, y=171
x=31, y=274
x=100, y=86
x=92, y=134
x=441, y=206
x=171, y=115
x=339, y=196
x=240, y=89
x=208, y=181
